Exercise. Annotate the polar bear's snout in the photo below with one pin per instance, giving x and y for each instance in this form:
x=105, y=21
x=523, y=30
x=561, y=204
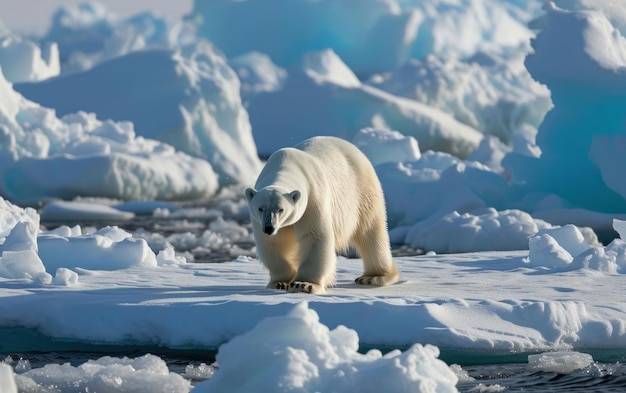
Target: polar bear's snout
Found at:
x=269, y=223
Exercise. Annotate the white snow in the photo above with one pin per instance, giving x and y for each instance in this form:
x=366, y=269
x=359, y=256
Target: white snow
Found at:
x=296, y=351
x=500, y=151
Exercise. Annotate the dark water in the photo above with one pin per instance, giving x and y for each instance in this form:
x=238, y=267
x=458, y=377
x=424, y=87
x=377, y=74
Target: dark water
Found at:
x=508, y=373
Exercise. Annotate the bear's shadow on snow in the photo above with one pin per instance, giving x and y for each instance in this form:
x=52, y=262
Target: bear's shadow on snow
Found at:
x=353, y=285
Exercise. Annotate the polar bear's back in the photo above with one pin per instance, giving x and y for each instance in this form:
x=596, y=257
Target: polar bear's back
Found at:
x=339, y=158
x=348, y=181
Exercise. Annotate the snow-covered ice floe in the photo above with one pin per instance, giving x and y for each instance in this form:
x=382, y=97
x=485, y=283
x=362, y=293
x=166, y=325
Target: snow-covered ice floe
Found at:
x=497, y=301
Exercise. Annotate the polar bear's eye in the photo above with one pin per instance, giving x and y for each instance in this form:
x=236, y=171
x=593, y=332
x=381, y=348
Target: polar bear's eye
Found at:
x=281, y=210
x=261, y=209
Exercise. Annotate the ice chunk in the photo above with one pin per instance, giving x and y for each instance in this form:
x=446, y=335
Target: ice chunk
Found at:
x=381, y=145
x=24, y=264
x=167, y=256
x=326, y=67
x=65, y=277
x=82, y=211
x=257, y=73
x=7, y=379
x=569, y=237
x=111, y=248
x=620, y=228
x=476, y=230
x=438, y=184
x=147, y=373
x=296, y=351
x=559, y=362
x=11, y=214
x=200, y=372
x=22, y=60
x=545, y=251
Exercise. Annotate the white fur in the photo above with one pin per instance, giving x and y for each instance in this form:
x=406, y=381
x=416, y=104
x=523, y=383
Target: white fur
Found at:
x=311, y=201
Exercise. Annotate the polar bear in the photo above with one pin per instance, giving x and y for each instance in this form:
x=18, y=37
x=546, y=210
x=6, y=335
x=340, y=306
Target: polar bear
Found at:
x=311, y=201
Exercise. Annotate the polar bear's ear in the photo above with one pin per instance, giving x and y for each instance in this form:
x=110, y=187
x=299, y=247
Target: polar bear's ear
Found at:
x=250, y=193
x=295, y=196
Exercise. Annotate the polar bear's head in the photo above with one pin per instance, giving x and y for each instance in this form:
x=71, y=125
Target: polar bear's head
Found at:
x=273, y=208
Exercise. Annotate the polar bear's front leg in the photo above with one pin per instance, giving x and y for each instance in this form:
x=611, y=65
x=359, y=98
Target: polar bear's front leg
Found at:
x=279, y=254
x=318, y=263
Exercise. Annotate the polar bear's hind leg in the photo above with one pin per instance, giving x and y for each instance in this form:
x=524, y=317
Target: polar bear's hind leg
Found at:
x=378, y=265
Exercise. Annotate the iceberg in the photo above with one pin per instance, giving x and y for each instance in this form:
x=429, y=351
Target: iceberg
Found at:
x=581, y=137
x=371, y=36
x=190, y=101
x=43, y=156
x=323, y=96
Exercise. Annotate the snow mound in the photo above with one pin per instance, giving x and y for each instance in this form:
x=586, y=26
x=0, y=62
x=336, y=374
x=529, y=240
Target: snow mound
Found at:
x=477, y=230
x=30, y=254
x=189, y=100
x=109, y=248
x=296, y=352
x=565, y=248
x=438, y=184
x=559, y=362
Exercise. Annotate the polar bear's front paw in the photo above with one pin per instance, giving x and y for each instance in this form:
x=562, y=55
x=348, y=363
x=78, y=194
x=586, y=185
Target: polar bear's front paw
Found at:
x=278, y=285
x=305, y=286
x=378, y=281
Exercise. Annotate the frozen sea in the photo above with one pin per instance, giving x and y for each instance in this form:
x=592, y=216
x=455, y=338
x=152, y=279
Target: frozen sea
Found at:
x=496, y=128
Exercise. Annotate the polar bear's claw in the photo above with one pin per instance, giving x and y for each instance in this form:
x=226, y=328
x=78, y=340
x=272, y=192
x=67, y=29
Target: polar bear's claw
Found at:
x=378, y=281
x=304, y=286
x=278, y=285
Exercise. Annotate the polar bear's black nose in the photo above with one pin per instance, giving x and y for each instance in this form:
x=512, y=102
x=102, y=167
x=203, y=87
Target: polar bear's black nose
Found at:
x=269, y=230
